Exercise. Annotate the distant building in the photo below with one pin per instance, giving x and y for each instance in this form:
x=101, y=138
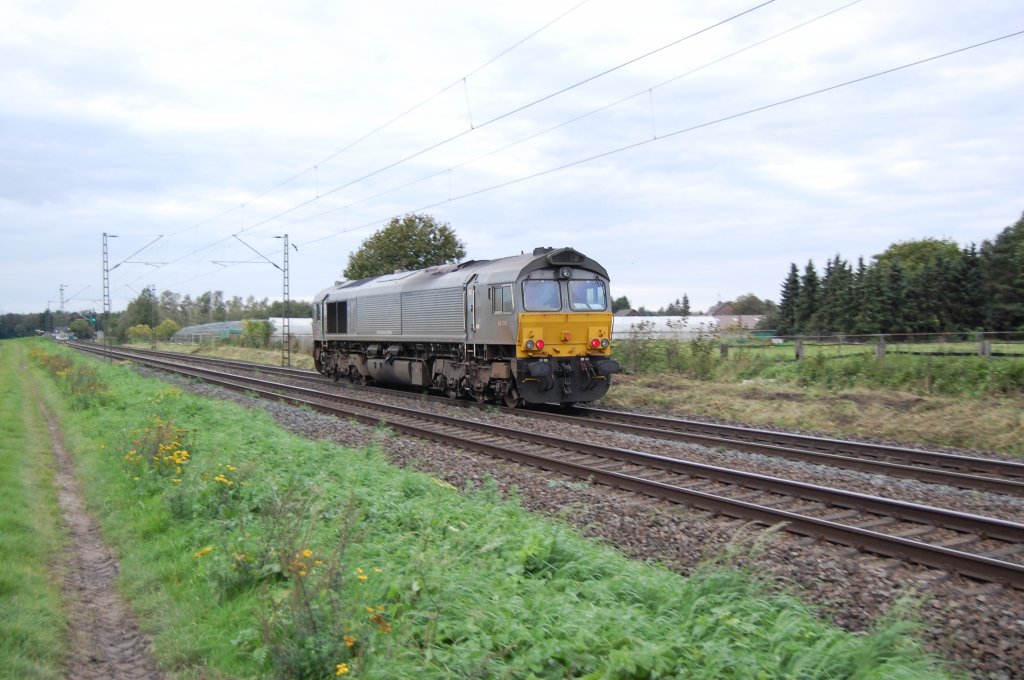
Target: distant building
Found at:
x=745, y=322
x=721, y=309
x=663, y=327
x=298, y=327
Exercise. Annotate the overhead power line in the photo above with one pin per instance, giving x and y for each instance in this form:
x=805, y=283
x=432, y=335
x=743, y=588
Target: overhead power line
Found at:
x=709, y=123
x=581, y=116
x=507, y=114
x=400, y=116
x=438, y=144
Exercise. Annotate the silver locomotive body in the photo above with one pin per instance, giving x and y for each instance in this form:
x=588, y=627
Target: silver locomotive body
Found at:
x=532, y=328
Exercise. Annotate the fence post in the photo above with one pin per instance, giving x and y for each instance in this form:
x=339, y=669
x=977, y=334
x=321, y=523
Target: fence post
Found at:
x=799, y=347
x=724, y=349
x=985, y=349
x=880, y=348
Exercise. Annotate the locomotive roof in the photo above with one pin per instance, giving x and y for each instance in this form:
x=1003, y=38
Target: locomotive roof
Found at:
x=448, y=275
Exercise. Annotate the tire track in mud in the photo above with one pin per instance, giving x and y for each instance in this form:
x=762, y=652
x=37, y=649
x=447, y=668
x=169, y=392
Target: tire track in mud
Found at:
x=105, y=642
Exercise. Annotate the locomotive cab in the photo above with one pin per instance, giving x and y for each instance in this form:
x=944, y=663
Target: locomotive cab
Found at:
x=563, y=344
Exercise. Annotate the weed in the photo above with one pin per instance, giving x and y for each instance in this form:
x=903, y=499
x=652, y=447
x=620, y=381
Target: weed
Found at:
x=81, y=382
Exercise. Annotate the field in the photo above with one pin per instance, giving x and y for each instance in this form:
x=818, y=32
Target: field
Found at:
x=247, y=551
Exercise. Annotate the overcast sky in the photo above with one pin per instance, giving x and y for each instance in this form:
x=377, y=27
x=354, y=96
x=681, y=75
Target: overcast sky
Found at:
x=595, y=124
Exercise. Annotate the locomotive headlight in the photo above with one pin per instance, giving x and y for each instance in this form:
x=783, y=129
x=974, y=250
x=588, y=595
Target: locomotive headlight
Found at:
x=604, y=343
x=530, y=344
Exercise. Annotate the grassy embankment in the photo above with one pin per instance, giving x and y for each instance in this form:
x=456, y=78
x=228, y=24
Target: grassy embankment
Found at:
x=247, y=551
x=31, y=623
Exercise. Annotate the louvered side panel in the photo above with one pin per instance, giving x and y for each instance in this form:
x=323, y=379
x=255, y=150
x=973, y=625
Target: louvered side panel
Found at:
x=434, y=312
x=380, y=315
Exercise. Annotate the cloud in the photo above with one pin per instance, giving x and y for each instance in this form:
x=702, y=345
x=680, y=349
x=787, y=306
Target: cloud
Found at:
x=199, y=121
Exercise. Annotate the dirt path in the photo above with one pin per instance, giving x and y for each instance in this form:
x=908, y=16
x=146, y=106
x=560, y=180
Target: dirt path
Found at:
x=105, y=640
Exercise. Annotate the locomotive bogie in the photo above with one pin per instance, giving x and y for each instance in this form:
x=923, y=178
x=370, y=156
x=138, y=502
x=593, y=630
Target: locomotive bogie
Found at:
x=529, y=328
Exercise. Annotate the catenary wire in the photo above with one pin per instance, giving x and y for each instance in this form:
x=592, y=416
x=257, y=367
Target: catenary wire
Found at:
x=502, y=116
x=505, y=115
x=674, y=133
x=395, y=119
x=578, y=118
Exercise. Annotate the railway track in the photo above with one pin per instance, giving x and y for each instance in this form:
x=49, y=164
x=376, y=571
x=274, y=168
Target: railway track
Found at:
x=980, y=547
x=965, y=472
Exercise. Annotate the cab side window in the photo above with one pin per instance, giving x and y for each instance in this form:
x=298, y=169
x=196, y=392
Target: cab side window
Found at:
x=501, y=299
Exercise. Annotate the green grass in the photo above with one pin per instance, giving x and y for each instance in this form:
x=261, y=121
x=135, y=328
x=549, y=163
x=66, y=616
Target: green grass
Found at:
x=32, y=625
x=259, y=553
x=831, y=366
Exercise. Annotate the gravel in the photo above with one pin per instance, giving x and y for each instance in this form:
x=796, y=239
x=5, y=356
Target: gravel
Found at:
x=978, y=627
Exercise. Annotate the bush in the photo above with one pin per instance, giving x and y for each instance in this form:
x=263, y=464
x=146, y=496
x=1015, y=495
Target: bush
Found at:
x=256, y=333
x=140, y=333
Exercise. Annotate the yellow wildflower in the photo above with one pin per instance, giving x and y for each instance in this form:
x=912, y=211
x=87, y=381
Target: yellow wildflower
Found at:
x=204, y=551
x=307, y=553
x=349, y=641
x=342, y=669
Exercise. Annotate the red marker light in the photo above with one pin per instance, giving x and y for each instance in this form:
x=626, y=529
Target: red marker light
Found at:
x=540, y=344
x=595, y=343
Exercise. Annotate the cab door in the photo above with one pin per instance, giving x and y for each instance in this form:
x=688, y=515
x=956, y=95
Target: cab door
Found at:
x=472, y=325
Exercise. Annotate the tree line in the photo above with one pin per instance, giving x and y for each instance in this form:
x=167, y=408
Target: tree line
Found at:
x=925, y=286
x=411, y=241
x=168, y=312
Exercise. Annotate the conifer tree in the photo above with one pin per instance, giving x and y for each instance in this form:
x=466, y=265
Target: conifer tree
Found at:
x=807, y=302
x=1002, y=271
x=969, y=299
x=787, y=324
x=869, y=300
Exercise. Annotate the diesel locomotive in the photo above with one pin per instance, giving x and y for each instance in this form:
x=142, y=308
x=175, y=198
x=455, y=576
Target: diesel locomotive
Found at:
x=532, y=328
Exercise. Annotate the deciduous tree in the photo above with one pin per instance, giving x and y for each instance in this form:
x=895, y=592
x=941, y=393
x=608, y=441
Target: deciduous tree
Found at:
x=410, y=242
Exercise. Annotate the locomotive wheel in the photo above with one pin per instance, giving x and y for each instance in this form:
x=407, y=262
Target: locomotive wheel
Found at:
x=511, y=398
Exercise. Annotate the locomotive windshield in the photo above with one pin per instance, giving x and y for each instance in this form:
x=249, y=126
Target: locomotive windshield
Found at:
x=541, y=296
x=587, y=296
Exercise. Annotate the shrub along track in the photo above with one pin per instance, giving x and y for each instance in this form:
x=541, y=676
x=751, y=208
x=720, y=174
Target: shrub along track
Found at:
x=105, y=641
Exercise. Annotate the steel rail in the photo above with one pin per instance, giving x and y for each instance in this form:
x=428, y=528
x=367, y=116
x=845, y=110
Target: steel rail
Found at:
x=1010, y=469
x=933, y=467
x=975, y=565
